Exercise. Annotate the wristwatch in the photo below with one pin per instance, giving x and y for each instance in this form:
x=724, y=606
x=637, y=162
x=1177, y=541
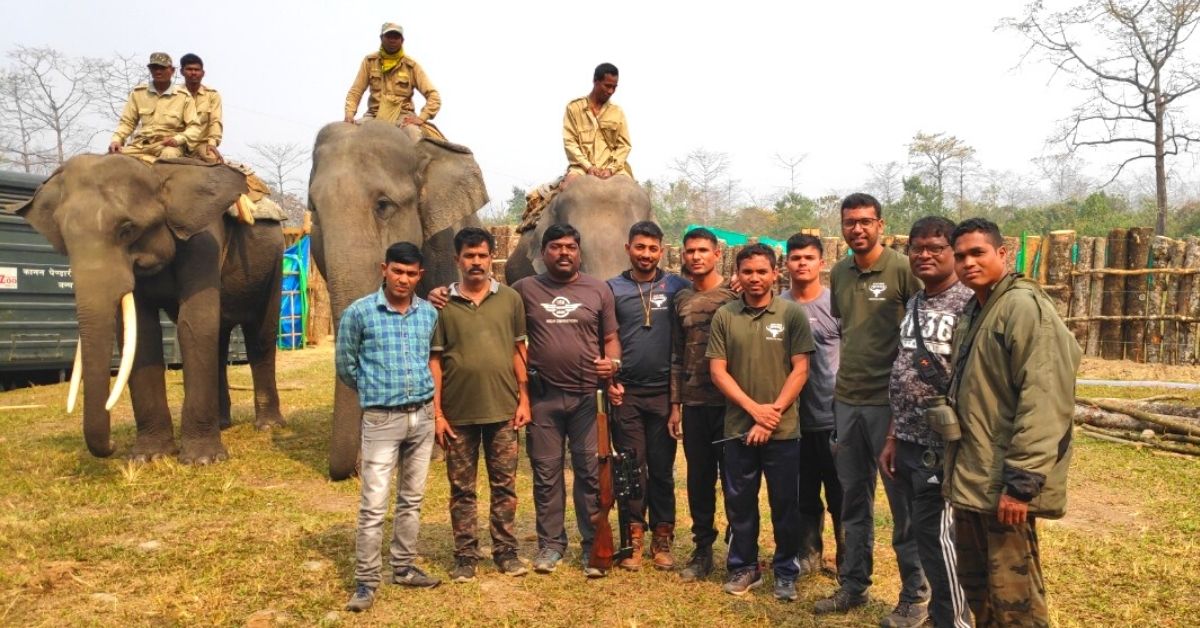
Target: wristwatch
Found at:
x=616, y=365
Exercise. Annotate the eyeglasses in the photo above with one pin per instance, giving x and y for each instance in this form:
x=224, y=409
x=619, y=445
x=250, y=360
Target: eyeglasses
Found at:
x=865, y=223
x=932, y=249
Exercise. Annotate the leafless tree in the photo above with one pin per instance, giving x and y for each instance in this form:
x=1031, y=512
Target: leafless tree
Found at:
x=1064, y=173
x=54, y=94
x=1133, y=77
x=111, y=79
x=936, y=154
x=278, y=164
x=18, y=129
x=887, y=181
x=706, y=173
x=790, y=163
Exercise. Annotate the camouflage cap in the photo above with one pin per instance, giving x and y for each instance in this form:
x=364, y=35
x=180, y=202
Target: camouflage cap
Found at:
x=161, y=58
x=391, y=27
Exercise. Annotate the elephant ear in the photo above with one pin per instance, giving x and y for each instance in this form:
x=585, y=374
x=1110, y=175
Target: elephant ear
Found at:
x=39, y=210
x=196, y=195
x=452, y=186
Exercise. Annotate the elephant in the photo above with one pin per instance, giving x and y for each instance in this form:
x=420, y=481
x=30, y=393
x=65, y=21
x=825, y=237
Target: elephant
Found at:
x=602, y=210
x=373, y=185
x=153, y=237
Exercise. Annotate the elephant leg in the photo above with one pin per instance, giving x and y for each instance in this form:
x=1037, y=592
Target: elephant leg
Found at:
x=148, y=390
x=199, y=329
x=345, y=442
x=261, y=338
x=224, y=403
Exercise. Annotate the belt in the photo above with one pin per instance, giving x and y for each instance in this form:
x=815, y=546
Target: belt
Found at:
x=407, y=407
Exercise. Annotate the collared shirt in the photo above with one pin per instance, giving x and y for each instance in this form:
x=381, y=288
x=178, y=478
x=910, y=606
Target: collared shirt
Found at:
x=395, y=87
x=758, y=345
x=475, y=343
x=870, y=304
x=384, y=354
x=211, y=114
x=156, y=116
x=644, y=312
x=596, y=140
x=691, y=383
x=816, y=398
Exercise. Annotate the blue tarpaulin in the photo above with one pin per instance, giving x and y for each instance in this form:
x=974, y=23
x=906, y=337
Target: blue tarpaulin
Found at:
x=293, y=307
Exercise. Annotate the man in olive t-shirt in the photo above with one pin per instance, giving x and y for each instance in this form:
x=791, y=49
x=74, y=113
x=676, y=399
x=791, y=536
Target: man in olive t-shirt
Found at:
x=870, y=290
x=758, y=354
x=481, y=399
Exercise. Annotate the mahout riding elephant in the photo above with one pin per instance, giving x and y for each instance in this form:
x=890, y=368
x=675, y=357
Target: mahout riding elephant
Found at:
x=373, y=185
x=141, y=238
x=602, y=210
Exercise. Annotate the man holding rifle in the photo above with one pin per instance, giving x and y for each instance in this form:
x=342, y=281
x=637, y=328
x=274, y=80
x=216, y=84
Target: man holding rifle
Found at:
x=758, y=357
x=573, y=351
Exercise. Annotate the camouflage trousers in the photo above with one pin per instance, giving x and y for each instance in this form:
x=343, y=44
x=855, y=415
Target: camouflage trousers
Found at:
x=1000, y=570
x=500, y=449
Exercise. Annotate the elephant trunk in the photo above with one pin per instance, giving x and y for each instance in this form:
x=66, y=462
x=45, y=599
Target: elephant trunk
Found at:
x=98, y=316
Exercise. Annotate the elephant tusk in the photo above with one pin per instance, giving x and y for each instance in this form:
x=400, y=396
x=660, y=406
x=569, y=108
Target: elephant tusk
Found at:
x=76, y=377
x=128, y=348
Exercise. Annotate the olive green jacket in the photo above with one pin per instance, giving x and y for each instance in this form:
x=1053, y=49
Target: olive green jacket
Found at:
x=1013, y=389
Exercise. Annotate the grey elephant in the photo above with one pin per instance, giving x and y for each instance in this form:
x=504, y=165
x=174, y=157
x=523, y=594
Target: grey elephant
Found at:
x=602, y=210
x=144, y=238
x=373, y=185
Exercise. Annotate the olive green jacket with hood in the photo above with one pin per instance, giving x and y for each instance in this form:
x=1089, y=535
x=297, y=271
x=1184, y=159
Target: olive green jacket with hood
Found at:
x=1013, y=389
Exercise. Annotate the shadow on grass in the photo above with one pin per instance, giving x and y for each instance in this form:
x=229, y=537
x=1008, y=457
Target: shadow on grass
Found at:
x=306, y=438
x=336, y=544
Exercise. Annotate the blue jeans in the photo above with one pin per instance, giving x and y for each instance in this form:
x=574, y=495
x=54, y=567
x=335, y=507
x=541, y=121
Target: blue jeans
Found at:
x=391, y=440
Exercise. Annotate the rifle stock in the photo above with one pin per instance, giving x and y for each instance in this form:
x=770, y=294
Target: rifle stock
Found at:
x=603, y=553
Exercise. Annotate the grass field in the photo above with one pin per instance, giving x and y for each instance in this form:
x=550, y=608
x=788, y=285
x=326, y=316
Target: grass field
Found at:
x=265, y=539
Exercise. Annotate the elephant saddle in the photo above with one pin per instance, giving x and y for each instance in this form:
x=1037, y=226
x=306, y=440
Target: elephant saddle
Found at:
x=536, y=202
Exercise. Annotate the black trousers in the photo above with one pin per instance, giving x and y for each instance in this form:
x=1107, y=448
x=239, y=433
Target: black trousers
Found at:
x=640, y=426
x=701, y=426
x=745, y=468
x=817, y=470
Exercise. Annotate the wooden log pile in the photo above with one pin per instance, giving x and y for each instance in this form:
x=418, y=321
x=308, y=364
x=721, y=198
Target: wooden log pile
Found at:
x=1147, y=423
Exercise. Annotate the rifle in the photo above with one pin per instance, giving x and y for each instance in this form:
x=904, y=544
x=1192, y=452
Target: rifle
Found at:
x=616, y=468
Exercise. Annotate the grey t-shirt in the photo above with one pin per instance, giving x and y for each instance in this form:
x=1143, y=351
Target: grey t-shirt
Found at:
x=816, y=399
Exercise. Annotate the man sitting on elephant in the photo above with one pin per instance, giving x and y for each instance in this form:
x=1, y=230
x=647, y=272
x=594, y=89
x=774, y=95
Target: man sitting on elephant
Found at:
x=208, y=108
x=161, y=118
x=595, y=134
x=392, y=77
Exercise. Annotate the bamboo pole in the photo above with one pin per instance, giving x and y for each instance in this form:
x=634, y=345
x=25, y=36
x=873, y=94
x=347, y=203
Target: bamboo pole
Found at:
x=1160, y=257
x=1079, y=289
x=1139, y=271
x=1096, y=295
x=1189, y=302
x=1113, y=305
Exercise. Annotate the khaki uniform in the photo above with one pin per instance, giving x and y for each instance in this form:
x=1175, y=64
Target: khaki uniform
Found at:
x=1013, y=390
x=212, y=127
x=150, y=117
x=600, y=141
x=391, y=93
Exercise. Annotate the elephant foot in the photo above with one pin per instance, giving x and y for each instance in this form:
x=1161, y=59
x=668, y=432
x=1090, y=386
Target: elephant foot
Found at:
x=149, y=448
x=267, y=421
x=202, y=451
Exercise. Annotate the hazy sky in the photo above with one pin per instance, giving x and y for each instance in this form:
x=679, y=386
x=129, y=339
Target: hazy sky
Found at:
x=845, y=83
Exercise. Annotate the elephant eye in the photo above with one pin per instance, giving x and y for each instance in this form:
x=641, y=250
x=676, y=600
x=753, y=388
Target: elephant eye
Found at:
x=384, y=208
x=126, y=231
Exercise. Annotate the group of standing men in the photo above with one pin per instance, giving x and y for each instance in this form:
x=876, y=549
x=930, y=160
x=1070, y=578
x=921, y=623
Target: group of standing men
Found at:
x=817, y=387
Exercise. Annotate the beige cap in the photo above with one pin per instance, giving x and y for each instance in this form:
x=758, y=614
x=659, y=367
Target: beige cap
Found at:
x=161, y=58
x=391, y=27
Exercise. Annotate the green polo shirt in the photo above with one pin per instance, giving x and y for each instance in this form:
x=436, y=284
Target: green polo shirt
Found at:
x=476, y=344
x=758, y=345
x=870, y=304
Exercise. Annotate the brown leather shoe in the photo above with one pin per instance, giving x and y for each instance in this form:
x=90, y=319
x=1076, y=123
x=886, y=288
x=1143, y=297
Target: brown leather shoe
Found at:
x=634, y=562
x=660, y=546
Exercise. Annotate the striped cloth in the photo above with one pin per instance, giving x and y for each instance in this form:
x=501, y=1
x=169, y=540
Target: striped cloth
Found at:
x=384, y=354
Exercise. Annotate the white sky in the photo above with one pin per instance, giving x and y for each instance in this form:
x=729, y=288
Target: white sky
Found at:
x=844, y=82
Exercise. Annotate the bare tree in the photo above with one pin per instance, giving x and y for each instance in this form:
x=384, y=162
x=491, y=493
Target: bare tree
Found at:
x=110, y=81
x=935, y=154
x=707, y=174
x=887, y=181
x=277, y=164
x=964, y=165
x=1133, y=78
x=18, y=143
x=55, y=96
x=790, y=163
x=1064, y=172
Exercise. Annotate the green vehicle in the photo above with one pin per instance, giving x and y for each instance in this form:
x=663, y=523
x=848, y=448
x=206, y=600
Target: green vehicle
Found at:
x=38, y=330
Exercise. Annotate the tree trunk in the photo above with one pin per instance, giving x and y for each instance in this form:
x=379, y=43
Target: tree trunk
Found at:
x=1135, y=293
x=1096, y=295
x=1111, y=345
x=1079, y=290
x=1160, y=162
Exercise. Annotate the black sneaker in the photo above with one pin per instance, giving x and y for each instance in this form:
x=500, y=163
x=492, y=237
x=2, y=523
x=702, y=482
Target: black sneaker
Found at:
x=741, y=581
x=363, y=598
x=412, y=576
x=698, y=566
x=510, y=565
x=840, y=602
x=906, y=615
x=464, y=569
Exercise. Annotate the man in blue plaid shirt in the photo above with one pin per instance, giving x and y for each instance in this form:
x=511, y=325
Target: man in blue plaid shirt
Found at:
x=383, y=353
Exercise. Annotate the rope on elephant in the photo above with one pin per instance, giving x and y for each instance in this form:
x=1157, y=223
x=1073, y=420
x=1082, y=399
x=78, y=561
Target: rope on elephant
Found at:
x=536, y=202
